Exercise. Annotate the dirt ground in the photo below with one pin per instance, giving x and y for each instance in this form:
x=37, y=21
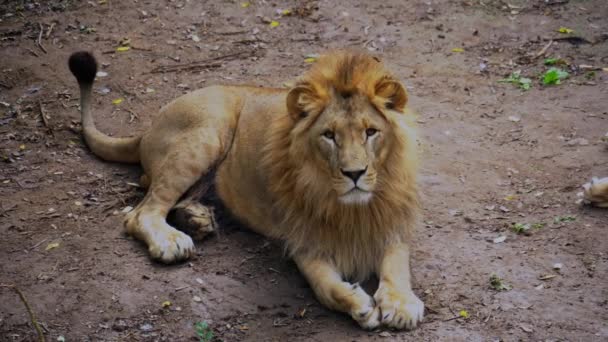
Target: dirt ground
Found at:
x=494, y=156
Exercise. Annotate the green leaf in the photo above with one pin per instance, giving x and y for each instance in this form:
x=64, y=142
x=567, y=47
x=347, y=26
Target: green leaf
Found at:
x=554, y=76
x=516, y=79
x=525, y=83
x=203, y=331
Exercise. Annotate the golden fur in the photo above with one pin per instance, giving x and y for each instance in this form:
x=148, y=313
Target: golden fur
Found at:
x=328, y=166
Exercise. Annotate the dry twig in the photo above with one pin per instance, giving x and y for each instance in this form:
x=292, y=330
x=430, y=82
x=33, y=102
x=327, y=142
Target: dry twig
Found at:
x=29, y=311
x=39, y=40
x=544, y=49
x=200, y=65
x=45, y=121
x=48, y=32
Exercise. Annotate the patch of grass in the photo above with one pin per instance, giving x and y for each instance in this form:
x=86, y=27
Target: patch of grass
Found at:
x=538, y=225
x=515, y=78
x=555, y=61
x=498, y=283
x=203, y=332
x=590, y=75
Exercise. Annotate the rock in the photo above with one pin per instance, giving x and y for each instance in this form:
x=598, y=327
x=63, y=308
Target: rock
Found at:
x=500, y=239
x=514, y=118
x=146, y=327
x=578, y=141
x=120, y=325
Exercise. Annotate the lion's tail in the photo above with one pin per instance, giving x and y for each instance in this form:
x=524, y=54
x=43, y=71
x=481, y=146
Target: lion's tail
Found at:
x=84, y=67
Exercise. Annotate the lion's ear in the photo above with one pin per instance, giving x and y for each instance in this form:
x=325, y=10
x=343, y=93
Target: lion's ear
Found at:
x=301, y=100
x=392, y=93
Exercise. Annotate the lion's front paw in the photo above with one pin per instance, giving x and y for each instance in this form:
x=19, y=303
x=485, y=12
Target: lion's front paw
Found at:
x=399, y=309
x=365, y=312
x=170, y=245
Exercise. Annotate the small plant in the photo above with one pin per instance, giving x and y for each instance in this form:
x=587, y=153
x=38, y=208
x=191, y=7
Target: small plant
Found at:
x=516, y=79
x=526, y=228
x=203, y=331
x=538, y=225
x=498, y=284
x=521, y=228
x=554, y=76
x=566, y=218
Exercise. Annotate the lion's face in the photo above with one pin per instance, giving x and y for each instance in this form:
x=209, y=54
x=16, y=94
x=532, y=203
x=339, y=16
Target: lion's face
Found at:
x=350, y=138
x=344, y=112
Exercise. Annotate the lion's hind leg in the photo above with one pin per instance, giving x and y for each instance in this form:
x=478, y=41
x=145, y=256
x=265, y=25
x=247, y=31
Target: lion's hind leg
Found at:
x=183, y=164
x=193, y=218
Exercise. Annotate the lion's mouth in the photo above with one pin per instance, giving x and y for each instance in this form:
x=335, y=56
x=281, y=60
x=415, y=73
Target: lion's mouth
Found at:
x=356, y=195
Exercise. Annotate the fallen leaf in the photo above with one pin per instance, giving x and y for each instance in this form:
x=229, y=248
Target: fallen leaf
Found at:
x=310, y=60
x=117, y=101
x=123, y=48
x=22, y=147
x=166, y=304
x=274, y=23
x=457, y=50
x=245, y=4
x=286, y=12
x=565, y=30
x=51, y=245
x=463, y=313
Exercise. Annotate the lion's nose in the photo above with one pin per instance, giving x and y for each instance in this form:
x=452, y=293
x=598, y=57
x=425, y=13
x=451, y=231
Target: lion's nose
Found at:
x=354, y=174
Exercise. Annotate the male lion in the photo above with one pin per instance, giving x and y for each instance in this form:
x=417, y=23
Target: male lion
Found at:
x=328, y=167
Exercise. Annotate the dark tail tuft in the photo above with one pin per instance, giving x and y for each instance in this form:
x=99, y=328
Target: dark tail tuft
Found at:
x=83, y=66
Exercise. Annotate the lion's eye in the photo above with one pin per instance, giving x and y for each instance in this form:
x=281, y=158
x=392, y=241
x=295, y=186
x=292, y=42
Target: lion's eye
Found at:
x=329, y=135
x=371, y=132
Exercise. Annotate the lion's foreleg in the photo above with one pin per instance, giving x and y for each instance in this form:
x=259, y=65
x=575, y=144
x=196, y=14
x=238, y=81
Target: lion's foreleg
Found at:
x=338, y=294
x=399, y=306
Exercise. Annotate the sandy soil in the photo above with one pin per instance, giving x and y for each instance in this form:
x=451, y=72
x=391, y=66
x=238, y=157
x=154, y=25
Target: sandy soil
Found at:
x=494, y=156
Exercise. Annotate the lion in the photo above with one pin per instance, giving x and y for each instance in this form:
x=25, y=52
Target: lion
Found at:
x=327, y=166
x=595, y=192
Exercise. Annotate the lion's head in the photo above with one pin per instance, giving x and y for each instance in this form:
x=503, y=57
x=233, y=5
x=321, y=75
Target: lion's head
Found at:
x=343, y=161
x=345, y=111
